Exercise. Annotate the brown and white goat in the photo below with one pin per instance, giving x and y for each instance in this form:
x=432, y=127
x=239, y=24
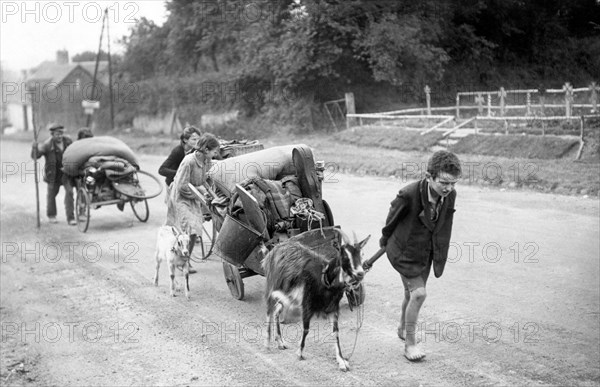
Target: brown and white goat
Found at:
x=313, y=280
x=173, y=246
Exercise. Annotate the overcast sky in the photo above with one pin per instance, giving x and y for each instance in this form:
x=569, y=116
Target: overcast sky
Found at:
x=32, y=31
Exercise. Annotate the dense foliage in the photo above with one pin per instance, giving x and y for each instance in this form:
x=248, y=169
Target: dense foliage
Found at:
x=316, y=50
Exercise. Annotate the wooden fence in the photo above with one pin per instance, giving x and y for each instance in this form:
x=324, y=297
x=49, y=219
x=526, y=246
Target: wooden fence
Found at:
x=567, y=103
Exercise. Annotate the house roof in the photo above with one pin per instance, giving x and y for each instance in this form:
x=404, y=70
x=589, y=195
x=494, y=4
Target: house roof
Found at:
x=102, y=69
x=56, y=73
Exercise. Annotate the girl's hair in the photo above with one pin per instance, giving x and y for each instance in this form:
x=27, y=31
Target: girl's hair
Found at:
x=207, y=142
x=187, y=133
x=444, y=161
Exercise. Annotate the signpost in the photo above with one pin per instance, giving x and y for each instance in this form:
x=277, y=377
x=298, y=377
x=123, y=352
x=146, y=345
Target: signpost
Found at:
x=90, y=106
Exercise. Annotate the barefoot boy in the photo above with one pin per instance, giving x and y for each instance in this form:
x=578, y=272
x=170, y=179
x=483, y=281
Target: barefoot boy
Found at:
x=417, y=235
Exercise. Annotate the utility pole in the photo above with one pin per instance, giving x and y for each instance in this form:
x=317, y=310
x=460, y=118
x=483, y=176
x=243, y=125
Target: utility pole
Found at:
x=104, y=18
x=110, y=85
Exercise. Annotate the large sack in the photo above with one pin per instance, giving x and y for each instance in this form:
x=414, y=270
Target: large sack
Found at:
x=270, y=164
x=81, y=150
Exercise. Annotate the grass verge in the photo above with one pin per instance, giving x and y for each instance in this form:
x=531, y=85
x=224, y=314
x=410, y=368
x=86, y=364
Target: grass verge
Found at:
x=562, y=176
x=511, y=146
x=388, y=137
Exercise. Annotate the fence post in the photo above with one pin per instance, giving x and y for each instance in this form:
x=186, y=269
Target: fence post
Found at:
x=568, y=98
x=457, y=105
x=350, y=109
x=502, y=94
x=542, y=92
x=543, y=128
x=428, y=99
x=505, y=127
x=479, y=101
x=581, y=143
x=528, y=103
x=489, y=104
x=594, y=97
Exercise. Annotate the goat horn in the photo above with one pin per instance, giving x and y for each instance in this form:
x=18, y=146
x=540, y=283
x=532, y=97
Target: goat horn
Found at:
x=345, y=238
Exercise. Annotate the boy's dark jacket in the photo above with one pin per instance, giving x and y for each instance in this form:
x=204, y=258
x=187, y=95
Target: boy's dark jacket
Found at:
x=52, y=167
x=410, y=236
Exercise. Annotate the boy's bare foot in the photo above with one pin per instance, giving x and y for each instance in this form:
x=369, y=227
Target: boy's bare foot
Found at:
x=413, y=353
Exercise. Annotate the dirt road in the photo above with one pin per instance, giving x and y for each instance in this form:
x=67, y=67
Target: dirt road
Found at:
x=518, y=304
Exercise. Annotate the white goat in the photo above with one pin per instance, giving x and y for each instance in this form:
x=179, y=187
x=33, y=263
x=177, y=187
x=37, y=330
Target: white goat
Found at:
x=173, y=245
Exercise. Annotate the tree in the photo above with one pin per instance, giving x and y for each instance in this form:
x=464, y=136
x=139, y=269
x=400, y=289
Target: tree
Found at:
x=187, y=30
x=403, y=49
x=314, y=50
x=145, y=55
x=318, y=43
x=212, y=29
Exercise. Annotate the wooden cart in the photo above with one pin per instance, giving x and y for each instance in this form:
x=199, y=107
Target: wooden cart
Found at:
x=239, y=232
x=95, y=190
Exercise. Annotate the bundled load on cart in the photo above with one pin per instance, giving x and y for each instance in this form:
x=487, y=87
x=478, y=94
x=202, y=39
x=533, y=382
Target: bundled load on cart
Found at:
x=233, y=148
x=284, y=182
x=106, y=171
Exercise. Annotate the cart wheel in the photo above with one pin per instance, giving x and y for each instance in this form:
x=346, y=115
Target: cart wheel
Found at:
x=82, y=208
x=140, y=209
x=207, y=238
x=328, y=213
x=234, y=280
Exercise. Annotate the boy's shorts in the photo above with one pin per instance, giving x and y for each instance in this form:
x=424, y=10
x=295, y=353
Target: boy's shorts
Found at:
x=419, y=281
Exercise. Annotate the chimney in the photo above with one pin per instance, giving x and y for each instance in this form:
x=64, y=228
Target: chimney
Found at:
x=62, y=57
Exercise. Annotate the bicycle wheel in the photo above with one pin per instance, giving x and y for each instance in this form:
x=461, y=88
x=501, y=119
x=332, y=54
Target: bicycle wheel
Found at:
x=82, y=209
x=144, y=186
x=140, y=209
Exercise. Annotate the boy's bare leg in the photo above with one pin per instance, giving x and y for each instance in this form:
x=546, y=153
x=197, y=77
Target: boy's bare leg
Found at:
x=417, y=298
x=402, y=326
x=414, y=297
